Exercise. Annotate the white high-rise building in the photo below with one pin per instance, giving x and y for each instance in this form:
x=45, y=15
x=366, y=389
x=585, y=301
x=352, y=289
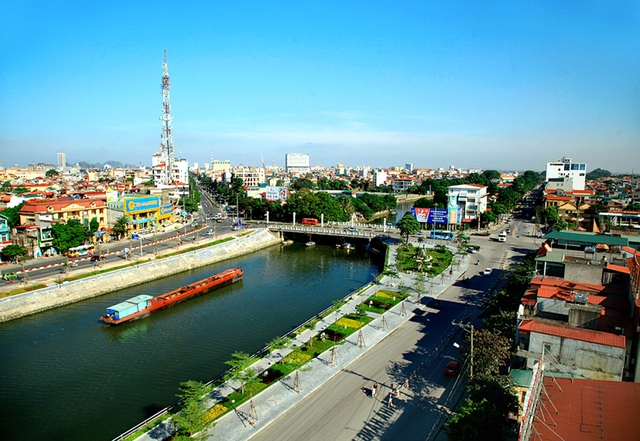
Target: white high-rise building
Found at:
x=297, y=163
x=564, y=168
x=62, y=160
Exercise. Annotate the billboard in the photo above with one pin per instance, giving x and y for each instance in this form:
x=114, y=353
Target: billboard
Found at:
x=430, y=215
x=141, y=205
x=276, y=194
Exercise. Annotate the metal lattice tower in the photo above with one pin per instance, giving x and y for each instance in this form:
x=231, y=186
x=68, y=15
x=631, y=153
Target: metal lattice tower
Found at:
x=166, y=146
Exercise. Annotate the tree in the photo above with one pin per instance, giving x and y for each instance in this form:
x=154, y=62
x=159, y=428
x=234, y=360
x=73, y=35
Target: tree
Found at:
x=475, y=421
x=239, y=363
x=488, y=217
x=597, y=174
x=408, y=225
x=120, y=227
x=13, y=218
x=7, y=187
x=497, y=390
x=189, y=205
x=420, y=285
x=302, y=183
x=633, y=207
x=20, y=189
x=492, y=175
x=69, y=235
x=192, y=415
x=490, y=351
x=13, y=252
x=425, y=202
x=279, y=343
x=51, y=173
x=93, y=225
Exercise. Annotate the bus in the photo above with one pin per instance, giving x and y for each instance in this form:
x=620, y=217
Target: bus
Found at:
x=502, y=237
x=309, y=221
x=441, y=235
x=82, y=250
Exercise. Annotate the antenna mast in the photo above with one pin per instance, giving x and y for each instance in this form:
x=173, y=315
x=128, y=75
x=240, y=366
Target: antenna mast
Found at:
x=166, y=146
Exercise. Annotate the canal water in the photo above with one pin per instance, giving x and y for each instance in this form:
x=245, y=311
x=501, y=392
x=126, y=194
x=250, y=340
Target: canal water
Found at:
x=392, y=218
x=65, y=376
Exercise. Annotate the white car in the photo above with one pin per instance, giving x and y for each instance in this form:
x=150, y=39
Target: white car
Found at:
x=487, y=272
x=210, y=233
x=471, y=250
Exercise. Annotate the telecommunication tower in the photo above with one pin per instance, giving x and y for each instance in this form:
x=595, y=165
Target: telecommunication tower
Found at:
x=166, y=146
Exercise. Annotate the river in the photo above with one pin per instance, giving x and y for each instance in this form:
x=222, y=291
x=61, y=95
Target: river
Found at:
x=65, y=376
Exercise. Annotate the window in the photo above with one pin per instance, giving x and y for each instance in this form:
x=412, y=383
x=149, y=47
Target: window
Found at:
x=547, y=348
x=583, y=166
x=567, y=166
x=575, y=166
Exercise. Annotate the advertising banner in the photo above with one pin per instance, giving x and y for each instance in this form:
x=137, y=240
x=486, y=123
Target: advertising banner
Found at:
x=140, y=205
x=430, y=215
x=277, y=194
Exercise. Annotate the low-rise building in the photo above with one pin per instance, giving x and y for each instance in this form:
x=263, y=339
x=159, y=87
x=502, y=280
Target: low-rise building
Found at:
x=469, y=201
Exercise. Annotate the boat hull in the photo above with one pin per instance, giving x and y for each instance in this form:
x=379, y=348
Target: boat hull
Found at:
x=115, y=315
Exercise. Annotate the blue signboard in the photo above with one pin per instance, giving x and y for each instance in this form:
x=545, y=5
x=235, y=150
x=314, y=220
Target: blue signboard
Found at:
x=135, y=236
x=430, y=215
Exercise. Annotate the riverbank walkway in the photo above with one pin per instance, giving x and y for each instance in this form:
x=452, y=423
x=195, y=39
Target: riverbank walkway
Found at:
x=250, y=418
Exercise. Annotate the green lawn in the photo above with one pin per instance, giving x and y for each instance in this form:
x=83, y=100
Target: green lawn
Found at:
x=408, y=254
x=383, y=300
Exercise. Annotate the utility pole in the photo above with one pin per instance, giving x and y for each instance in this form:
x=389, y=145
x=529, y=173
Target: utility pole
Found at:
x=467, y=328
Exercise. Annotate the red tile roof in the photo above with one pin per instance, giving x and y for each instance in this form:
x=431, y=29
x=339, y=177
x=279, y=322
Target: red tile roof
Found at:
x=573, y=333
x=588, y=410
x=618, y=268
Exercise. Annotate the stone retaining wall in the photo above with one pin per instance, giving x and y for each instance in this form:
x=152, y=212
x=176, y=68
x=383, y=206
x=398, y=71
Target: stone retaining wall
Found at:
x=69, y=292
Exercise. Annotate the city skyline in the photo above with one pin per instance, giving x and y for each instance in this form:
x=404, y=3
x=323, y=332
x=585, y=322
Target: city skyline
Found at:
x=500, y=86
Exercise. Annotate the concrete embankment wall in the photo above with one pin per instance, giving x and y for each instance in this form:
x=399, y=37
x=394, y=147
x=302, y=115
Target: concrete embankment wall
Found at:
x=69, y=292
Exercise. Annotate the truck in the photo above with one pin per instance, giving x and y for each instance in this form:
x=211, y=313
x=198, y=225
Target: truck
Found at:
x=502, y=237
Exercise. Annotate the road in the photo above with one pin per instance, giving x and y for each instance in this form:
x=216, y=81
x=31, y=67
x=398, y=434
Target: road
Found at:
x=169, y=239
x=342, y=408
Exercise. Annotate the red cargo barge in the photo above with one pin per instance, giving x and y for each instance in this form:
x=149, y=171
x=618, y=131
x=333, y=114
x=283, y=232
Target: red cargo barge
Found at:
x=143, y=305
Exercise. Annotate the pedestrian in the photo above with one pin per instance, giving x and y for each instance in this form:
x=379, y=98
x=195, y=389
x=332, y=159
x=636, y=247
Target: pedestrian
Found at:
x=390, y=401
x=391, y=386
x=397, y=393
x=374, y=390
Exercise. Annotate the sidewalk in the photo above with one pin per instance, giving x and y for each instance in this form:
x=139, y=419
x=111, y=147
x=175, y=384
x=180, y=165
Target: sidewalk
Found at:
x=272, y=402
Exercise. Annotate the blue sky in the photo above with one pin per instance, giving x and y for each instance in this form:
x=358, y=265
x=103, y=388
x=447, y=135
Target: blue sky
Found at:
x=498, y=85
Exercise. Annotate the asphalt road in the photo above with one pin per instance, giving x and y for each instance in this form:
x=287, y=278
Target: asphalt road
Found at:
x=50, y=267
x=343, y=409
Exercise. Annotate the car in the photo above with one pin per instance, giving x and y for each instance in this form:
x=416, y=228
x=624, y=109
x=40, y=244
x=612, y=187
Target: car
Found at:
x=351, y=229
x=471, y=250
x=487, y=272
x=419, y=235
x=235, y=228
x=452, y=369
x=210, y=233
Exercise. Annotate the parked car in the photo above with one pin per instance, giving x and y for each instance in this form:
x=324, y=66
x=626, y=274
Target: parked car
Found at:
x=487, y=272
x=351, y=229
x=471, y=250
x=452, y=369
x=419, y=235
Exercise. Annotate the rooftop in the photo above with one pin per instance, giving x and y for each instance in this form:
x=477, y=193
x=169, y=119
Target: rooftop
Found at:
x=587, y=410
